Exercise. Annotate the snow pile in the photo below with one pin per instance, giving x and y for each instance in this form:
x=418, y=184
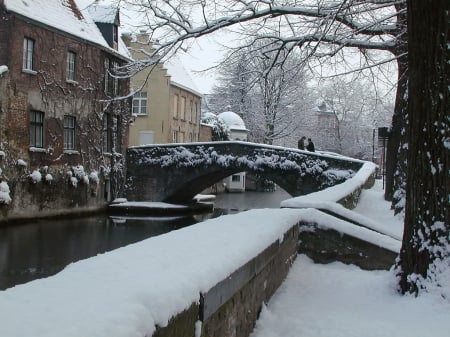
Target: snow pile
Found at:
x=321, y=220
x=4, y=193
x=3, y=69
x=21, y=162
x=128, y=291
x=333, y=193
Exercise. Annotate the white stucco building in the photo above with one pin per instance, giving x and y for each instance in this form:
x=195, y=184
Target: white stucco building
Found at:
x=238, y=131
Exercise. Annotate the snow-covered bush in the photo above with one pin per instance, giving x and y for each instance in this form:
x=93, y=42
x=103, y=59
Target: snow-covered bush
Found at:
x=4, y=193
x=48, y=178
x=220, y=129
x=85, y=180
x=74, y=181
x=21, y=162
x=93, y=177
x=35, y=176
x=80, y=174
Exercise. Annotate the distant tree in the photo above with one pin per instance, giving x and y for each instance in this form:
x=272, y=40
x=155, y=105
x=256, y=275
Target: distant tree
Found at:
x=355, y=109
x=231, y=91
x=270, y=96
x=425, y=254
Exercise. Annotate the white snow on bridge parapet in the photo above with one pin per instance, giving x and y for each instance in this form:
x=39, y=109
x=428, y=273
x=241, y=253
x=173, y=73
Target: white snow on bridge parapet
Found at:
x=334, y=193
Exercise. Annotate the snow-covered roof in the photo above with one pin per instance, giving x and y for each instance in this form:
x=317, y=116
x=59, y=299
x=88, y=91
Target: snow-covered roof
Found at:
x=233, y=120
x=65, y=15
x=101, y=11
x=180, y=76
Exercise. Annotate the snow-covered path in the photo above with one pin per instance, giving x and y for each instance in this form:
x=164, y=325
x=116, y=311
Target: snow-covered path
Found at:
x=338, y=300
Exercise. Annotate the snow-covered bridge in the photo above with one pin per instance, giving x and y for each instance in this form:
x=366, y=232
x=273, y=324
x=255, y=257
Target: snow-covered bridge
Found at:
x=177, y=172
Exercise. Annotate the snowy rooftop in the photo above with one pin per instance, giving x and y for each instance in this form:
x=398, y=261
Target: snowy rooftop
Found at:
x=101, y=11
x=180, y=76
x=67, y=16
x=233, y=120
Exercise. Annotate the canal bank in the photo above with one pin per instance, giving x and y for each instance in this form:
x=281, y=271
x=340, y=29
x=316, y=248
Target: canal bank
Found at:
x=43, y=247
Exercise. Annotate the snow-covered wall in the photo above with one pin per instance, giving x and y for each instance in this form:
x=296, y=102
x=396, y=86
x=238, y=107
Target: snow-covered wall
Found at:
x=133, y=290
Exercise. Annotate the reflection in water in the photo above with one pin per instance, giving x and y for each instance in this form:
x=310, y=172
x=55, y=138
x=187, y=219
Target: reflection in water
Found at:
x=44, y=247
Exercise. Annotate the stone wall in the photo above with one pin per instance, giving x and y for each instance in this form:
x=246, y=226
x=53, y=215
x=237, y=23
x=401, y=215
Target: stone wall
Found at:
x=232, y=307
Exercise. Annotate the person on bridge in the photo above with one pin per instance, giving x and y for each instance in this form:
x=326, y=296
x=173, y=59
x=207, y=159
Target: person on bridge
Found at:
x=301, y=143
x=310, y=147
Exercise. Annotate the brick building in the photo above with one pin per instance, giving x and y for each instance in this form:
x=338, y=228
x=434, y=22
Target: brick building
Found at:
x=63, y=130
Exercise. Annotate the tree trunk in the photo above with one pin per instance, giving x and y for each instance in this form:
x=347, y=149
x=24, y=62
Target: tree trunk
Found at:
x=425, y=252
x=396, y=153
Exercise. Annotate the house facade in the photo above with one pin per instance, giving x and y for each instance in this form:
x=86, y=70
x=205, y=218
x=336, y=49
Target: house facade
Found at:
x=238, y=132
x=63, y=130
x=166, y=103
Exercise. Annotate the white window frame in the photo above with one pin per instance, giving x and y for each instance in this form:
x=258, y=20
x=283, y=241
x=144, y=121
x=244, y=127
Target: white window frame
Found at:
x=69, y=132
x=183, y=108
x=175, y=106
x=28, y=54
x=37, y=129
x=71, y=64
x=140, y=103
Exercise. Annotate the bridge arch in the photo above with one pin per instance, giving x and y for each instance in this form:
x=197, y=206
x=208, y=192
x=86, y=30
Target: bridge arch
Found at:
x=177, y=172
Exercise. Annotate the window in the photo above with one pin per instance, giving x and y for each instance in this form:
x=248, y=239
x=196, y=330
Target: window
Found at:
x=109, y=132
x=175, y=137
x=115, y=37
x=183, y=108
x=69, y=133
x=116, y=78
x=28, y=51
x=175, y=106
x=196, y=112
x=191, y=111
x=140, y=103
x=36, y=129
x=235, y=178
x=180, y=137
x=107, y=75
x=70, y=75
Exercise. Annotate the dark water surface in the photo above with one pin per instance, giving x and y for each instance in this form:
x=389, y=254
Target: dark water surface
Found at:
x=44, y=247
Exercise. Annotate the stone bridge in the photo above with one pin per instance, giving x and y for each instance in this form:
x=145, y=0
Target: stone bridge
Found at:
x=177, y=172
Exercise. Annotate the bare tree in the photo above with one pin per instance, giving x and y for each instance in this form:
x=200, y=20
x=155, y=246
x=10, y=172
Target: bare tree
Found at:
x=353, y=110
x=269, y=97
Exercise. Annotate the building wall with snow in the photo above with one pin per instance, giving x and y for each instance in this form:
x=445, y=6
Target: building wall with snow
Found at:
x=172, y=102
x=99, y=128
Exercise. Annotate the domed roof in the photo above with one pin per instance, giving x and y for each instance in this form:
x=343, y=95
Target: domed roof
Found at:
x=233, y=120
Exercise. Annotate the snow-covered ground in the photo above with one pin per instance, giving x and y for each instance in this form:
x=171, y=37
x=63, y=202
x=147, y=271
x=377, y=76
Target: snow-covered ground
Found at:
x=337, y=300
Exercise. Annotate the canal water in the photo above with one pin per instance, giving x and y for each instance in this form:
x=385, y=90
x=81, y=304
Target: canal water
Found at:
x=44, y=247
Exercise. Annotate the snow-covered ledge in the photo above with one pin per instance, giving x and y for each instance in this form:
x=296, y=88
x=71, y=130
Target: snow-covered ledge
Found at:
x=130, y=291
x=340, y=193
